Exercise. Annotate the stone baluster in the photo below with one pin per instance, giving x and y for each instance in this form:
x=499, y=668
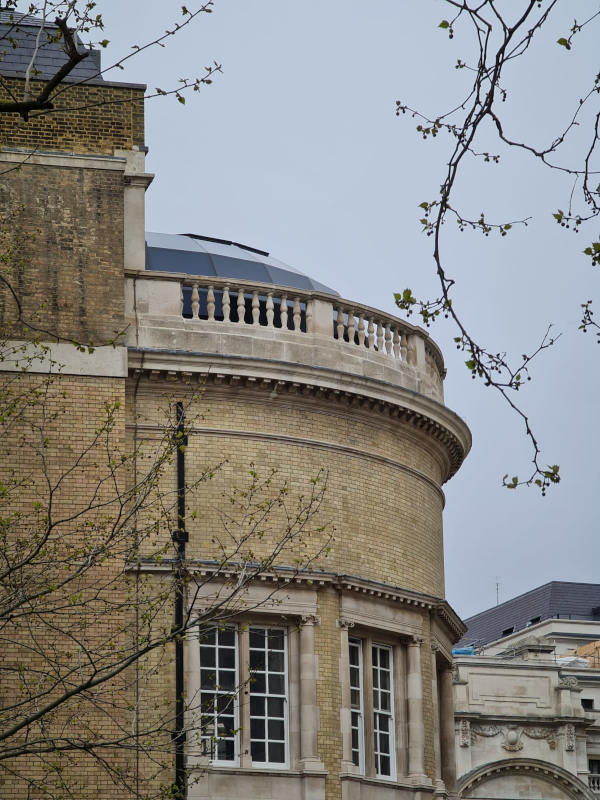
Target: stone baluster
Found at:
x=195, y=301
x=396, y=343
x=371, y=334
x=226, y=304
x=388, y=339
x=361, y=330
x=241, y=306
x=181, y=298
x=404, y=347
x=270, y=310
x=379, y=336
x=255, y=307
x=351, y=326
x=296, y=313
x=340, y=324
x=284, y=312
x=210, y=303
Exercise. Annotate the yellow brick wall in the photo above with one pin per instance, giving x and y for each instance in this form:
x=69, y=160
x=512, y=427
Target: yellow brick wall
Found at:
x=387, y=520
x=86, y=119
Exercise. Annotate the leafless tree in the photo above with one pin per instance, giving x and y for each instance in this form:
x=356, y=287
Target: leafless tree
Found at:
x=501, y=34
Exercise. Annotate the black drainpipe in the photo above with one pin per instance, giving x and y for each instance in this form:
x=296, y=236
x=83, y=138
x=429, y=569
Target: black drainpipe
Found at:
x=180, y=537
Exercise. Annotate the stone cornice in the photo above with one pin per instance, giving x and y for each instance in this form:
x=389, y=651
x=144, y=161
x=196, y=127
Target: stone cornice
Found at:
x=288, y=577
x=397, y=403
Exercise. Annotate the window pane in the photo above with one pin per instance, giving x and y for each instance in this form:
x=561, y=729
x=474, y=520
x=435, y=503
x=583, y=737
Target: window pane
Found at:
x=276, y=729
x=257, y=706
x=207, y=679
x=275, y=707
x=276, y=660
x=227, y=637
x=276, y=639
x=226, y=657
x=207, y=657
x=257, y=660
x=207, y=636
x=276, y=683
x=257, y=637
x=226, y=750
x=276, y=752
x=258, y=683
x=257, y=729
x=257, y=751
x=226, y=679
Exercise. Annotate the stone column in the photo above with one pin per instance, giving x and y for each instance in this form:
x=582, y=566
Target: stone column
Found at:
x=447, y=730
x=437, y=758
x=309, y=712
x=416, y=728
x=345, y=709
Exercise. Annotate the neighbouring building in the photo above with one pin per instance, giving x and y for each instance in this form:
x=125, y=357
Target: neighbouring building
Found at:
x=347, y=668
x=527, y=696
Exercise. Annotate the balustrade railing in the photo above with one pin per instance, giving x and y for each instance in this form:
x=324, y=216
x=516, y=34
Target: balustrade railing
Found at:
x=217, y=300
x=594, y=783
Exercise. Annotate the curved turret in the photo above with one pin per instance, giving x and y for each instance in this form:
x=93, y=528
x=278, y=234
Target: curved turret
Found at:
x=295, y=379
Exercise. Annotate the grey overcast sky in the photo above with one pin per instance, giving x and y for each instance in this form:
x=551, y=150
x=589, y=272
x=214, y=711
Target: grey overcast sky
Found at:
x=296, y=149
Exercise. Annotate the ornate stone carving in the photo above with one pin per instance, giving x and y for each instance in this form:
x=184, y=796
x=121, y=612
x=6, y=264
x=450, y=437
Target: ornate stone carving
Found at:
x=568, y=682
x=512, y=739
x=485, y=730
x=569, y=736
x=542, y=733
x=464, y=733
x=345, y=623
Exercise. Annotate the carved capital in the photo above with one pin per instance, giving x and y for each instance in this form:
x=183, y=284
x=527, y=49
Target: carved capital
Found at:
x=344, y=623
x=415, y=641
x=310, y=619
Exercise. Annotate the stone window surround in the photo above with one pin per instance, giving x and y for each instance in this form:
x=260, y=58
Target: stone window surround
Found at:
x=389, y=622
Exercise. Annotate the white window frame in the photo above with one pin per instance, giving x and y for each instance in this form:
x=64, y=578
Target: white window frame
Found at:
x=390, y=714
x=235, y=762
x=367, y=752
x=286, y=722
x=357, y=644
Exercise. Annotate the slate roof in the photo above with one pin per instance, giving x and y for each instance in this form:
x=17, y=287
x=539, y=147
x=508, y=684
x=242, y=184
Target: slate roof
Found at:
x=554, y=600
x=17, y=43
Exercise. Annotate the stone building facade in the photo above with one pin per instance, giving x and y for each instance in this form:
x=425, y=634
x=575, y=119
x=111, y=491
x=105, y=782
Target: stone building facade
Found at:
x=527, y=703
x=344, y=662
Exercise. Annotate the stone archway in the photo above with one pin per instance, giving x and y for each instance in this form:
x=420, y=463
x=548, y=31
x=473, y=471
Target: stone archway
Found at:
x=523, y=778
